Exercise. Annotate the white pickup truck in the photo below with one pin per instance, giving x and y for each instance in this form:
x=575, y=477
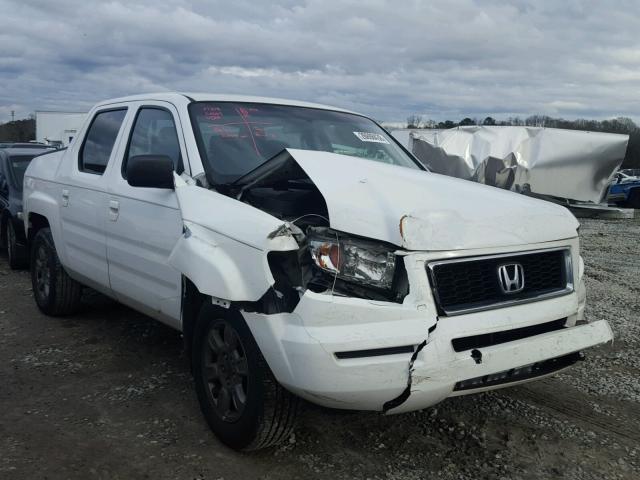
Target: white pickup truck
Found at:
x=303, y=252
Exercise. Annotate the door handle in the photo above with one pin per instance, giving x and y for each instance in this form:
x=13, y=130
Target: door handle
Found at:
x=65, y=197
x=114, y=210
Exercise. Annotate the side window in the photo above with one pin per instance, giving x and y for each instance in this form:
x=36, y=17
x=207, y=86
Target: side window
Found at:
x=154, y=133
x=98, y=143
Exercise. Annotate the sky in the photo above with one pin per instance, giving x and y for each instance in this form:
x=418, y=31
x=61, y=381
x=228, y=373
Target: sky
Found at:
x=440, y=59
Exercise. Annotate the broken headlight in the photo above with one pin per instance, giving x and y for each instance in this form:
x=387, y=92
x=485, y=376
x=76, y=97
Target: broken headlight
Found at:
x=360, y=261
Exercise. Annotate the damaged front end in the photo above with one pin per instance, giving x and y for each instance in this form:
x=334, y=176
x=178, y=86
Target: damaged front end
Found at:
x=327, y=260
x=288, y=233
x=330, y=273
x=308, y=271
x=330, y=262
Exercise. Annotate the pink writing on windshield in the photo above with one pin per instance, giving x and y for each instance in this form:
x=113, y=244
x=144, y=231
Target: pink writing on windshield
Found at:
x=212, y=113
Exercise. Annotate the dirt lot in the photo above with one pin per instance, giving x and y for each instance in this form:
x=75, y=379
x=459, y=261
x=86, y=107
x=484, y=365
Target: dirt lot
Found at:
x=107, y=394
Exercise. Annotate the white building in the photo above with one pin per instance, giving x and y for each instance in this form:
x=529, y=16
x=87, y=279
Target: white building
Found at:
x=58, y=128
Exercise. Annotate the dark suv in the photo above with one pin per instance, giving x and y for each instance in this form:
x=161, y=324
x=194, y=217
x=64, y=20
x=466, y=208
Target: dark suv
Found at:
x=13, y=163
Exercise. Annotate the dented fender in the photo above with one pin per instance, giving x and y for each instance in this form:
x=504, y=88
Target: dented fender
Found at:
x=223, y=265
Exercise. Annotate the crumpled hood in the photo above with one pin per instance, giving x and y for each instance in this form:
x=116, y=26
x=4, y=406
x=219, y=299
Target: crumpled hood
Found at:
x=419, y=210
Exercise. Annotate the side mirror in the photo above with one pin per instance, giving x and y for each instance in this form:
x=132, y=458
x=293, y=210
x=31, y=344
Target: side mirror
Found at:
x=150, y=171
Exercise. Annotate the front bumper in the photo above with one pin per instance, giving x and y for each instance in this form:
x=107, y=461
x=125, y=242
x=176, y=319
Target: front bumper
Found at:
x=305, y=349
x=303, y=358
x=432, y=378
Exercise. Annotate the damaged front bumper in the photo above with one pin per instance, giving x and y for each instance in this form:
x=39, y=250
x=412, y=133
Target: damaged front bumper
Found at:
x=347, y=353
x=360, y=354
x=500, y=366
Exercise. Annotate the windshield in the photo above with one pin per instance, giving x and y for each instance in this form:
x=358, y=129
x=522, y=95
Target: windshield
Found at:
x=19, y=165
x=235, y=138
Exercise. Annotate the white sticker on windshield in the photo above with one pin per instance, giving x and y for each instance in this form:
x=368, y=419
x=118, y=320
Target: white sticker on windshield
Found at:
x=371, y=137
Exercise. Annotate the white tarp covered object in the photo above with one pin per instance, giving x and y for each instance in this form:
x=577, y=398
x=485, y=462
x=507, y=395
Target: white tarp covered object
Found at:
x=569, y=164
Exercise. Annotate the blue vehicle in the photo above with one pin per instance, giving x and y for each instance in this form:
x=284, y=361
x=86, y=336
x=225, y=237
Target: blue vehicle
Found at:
x=624, y=191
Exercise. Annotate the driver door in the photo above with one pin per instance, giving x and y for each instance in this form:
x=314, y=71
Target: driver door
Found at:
x=144, y=224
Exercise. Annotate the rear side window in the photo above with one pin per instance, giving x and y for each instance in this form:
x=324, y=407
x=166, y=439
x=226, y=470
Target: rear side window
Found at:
x=101, y=137
x=154, y=133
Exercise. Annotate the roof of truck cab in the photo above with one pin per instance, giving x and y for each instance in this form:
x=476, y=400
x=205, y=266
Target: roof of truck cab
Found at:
x=182, y=98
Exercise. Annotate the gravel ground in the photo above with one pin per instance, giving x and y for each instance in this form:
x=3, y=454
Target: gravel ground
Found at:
x=107, y=394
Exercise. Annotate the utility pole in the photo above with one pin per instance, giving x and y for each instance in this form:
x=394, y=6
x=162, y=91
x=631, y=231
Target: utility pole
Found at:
x=13, y=115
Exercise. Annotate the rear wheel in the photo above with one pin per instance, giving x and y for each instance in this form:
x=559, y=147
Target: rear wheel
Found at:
x=55, y=292
x=16, y=253
x=241, y=400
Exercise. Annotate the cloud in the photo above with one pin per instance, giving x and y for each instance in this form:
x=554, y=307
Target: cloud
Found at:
x=386, y=59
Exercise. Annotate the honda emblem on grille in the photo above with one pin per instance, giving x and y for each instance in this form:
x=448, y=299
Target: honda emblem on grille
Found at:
x=511, y=277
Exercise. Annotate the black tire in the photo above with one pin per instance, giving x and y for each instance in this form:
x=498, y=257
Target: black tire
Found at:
x=16, y=254
x=3, y=235
x=55, y=292
x=268, y=413
x=633, y=201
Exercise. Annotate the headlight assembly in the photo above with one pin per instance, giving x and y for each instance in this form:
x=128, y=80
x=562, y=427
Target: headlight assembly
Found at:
x=355, y=260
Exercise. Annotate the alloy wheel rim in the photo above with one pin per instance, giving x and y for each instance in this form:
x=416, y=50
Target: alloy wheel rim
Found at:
x=42, y=272
x=225, y=371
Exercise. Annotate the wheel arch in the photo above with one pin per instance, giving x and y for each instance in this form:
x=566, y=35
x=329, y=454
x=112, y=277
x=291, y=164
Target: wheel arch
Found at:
x=36, y=222
x=41, y=210
x=192, y=301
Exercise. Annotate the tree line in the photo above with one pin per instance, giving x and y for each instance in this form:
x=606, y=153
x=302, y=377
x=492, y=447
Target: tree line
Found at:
x=622, y=125
x=18, y=130
x=25, y=130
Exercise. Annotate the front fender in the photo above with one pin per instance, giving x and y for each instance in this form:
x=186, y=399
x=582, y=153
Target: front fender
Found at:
x=39, y=199
x=224, y=248
x=219, y=266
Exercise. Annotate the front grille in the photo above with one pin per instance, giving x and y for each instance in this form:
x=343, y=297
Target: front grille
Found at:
x=464, y=285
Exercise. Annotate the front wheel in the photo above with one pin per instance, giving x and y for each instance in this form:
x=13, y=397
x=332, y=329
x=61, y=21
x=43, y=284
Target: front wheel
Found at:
x=241, y=400
x=55, y=292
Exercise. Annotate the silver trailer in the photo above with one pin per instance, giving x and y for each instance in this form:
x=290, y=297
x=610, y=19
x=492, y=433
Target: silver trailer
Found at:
x=566, y=164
